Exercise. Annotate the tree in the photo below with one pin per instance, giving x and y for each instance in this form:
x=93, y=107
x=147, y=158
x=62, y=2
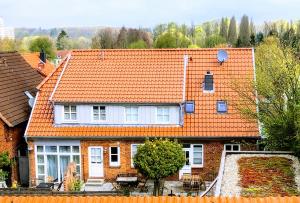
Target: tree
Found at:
x=43, y=43
x=159, y=159
x=232, y=35
x=7, y=45
x=224, y=28
x=244, y=34
x=172, y=39
x=140, y=44
x=278, y=88
x=104, y=39
x=122, y=38
x=62, y=41
x=214, y=41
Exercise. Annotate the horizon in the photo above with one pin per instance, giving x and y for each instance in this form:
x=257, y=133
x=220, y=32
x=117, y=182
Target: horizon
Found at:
x=139, y=13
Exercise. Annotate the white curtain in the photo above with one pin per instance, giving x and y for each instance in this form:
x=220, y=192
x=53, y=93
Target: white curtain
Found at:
x=52, y=166
x=64, y=162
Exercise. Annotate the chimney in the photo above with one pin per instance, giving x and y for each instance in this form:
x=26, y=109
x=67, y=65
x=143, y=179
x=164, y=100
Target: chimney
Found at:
x=43, y=56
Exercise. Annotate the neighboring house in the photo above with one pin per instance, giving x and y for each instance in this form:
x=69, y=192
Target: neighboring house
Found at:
x=16, y=77
x=39, y=62
x=60, y=55
x=99, y=105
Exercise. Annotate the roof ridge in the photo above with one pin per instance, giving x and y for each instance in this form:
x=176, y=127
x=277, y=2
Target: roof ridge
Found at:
x=163, y=49
x=50, y=75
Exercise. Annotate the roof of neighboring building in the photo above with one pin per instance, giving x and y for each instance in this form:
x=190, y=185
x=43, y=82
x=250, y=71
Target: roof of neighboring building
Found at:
x=16, y=77
x=34, y=59
x=147, y=76
x=62, y=53
x=145, y=199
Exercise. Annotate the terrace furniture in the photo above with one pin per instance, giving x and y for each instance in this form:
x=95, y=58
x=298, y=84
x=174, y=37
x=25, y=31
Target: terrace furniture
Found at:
x=128, y=179
x=142, y=183
x=45, y=186
x=192, y=183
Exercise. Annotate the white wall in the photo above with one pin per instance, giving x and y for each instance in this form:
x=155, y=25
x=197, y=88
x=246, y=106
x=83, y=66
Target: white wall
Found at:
x=115, y=115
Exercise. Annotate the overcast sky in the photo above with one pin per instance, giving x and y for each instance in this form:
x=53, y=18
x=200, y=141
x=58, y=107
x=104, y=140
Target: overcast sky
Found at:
x=139, y=13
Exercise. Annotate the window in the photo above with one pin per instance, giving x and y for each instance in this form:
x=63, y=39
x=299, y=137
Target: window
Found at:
x=70, y=113
x=221, y=106
x=189, y=107
x=133, y=152
x=131, y=114
x=208, y=82
x=197, y=160
x=114, y=154
x=99, y=113
x=232, y=147
x=52, y=161
x=163, y=114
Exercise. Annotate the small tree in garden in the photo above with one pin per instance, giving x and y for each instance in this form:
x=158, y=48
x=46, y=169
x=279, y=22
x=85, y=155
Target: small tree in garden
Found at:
x=5, y=164
x=158, y=159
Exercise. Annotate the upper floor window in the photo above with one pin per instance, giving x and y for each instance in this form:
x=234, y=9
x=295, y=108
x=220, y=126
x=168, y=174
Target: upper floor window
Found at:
x=222, y=107
x=208, y=82
x=163, y=114
x=70, y=112
x=131, y=114
x=99, y=113
x=232, y=147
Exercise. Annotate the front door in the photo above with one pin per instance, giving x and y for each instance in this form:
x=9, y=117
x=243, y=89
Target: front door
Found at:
x=95, y=162
x=187, y=166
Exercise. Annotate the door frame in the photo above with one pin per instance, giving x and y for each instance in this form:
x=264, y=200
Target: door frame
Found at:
x=190, y=151
x=89, y=160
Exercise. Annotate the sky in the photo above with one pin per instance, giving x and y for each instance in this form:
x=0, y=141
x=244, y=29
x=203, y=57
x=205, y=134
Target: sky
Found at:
x=139, y=13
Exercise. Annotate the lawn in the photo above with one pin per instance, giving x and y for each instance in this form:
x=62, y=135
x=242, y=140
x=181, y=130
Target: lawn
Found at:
x=267, y=176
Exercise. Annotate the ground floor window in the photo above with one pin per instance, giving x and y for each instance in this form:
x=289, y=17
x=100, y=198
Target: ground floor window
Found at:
x=114, y=156
x=232, y=147
x=53, y=160
x=197, y=155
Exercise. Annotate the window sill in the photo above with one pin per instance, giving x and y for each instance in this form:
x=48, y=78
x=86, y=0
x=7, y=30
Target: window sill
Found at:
x=197, y=166
x=114, y=166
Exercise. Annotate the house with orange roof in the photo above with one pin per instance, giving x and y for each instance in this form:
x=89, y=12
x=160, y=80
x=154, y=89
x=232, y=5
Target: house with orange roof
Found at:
x=99, y=105
x=39, y=62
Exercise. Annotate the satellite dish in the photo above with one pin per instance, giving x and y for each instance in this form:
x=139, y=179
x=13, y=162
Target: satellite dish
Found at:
x=222, y=56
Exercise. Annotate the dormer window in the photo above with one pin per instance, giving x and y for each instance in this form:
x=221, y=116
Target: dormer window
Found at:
x=163, y=114
x=99, y=113
x=208, y=82
x=70, y=113
x=222, y=107
x=131, y=114
x=190, y=107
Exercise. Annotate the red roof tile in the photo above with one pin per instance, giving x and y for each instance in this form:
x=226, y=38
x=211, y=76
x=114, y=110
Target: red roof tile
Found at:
x=33, y=59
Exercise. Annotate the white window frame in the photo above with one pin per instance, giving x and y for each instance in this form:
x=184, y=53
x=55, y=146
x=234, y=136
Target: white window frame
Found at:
x=192, y=156
x=164, y=108
x=208, y=91
x=70, y=113
x=131, y=152
x=57, y=153
x=231, y=145
x=130, y=113
x=114, y=163
x=99, y=113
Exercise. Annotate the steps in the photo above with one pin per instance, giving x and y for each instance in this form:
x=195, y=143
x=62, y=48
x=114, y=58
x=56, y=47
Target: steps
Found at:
x=94, y=182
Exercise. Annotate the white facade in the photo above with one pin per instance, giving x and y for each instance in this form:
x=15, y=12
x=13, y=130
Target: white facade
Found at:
x=6, y=32
x=116, y=115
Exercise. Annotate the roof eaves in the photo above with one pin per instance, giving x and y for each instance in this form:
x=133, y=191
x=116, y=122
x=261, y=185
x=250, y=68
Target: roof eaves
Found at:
x=6, y=121
x=30, y=117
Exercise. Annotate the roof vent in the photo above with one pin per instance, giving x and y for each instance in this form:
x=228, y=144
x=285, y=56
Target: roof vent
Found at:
x=189, y=107
x=222, y=56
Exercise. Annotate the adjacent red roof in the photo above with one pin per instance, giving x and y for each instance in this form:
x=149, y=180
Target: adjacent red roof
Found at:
x=34, y=60
x=147, y=76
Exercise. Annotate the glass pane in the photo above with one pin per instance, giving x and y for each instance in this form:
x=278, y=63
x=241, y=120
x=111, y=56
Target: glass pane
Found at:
x=114, y=150
x=40, y=159
x=52, y=166
x=76, y=159
x=40, y=148
x=66, y=108
x=198, y=148
x=41, y=169
x=73, y=108
x=222, y=106
x=75, y=149
x=197, y=160
x=235, y=148
x=114, y=158
x=96, y=117
x=41, y=179
x=102, y=109
x=64, y=162
x=78, y=169
x=67, y=116
x=103, y=117
x=228, y=147
x=64, y=149
x=73, y=116
x=95, y=109
x=51, y=149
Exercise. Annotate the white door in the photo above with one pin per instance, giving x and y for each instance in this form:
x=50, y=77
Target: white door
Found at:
x=95, y=162
x=187, y=166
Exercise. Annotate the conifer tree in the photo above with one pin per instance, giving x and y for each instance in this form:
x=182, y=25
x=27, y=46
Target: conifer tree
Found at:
x=232, y=35
x=244, y=35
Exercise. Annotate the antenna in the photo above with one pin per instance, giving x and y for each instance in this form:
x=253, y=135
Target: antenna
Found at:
x=222, y=56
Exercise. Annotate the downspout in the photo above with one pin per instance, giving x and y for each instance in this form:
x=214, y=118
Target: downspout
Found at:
x=185, y=64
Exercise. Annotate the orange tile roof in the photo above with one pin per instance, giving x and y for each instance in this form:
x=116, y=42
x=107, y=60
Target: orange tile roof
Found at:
x=34, y=59
x=161, y=71
x=144, y=199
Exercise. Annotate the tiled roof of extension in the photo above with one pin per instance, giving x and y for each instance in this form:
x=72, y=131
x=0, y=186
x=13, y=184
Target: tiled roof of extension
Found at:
x=16, y=77
x=144, y=199
x=33, y=59
x=124, y=76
